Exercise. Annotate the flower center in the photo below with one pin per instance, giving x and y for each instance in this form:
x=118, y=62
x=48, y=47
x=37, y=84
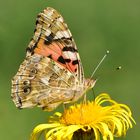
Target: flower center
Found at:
x=82, y=114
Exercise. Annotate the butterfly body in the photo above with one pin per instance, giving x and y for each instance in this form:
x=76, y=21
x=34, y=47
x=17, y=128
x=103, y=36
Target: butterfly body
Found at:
x=52, y=72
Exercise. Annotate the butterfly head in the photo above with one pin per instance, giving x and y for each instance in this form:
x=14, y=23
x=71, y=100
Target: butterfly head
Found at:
x=89, y=83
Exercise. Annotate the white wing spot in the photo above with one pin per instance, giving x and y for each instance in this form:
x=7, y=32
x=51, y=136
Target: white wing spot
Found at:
x=70, y=55
x=57, y=69
x=60, y=19
x=45, y=80
x=66, y=34
x=59, y=34
x=48, y=32
x=50, y=13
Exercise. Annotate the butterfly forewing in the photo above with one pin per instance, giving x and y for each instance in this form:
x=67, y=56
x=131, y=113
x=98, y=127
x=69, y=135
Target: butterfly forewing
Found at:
x=52, y=38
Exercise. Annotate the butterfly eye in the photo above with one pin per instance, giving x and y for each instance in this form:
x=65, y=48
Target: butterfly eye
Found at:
x=26, y=89
x=26, y=82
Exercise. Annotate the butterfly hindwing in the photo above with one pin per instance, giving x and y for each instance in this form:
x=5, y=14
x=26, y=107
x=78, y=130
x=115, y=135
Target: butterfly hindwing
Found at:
x=42, y=82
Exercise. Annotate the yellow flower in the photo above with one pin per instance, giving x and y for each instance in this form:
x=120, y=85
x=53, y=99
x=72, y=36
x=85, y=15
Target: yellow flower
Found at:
x=102, y=118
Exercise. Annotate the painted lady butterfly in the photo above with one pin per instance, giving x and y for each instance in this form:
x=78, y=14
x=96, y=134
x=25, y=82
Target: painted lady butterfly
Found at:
x=52, y=72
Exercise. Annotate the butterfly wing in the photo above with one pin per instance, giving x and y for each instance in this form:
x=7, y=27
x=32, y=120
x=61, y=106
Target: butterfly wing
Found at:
x=42, y=82
x=52, y=72
x=52, y=38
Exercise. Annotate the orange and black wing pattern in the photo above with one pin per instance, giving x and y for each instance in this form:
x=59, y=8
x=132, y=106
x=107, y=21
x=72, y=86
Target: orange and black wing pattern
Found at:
x=52, y=38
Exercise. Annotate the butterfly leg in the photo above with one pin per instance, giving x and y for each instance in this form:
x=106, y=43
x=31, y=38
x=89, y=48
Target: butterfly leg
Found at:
x=85, y=98
x=65, y=106
x=93, y=93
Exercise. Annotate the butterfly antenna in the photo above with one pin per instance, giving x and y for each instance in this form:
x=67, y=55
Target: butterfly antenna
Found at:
x=107, y=52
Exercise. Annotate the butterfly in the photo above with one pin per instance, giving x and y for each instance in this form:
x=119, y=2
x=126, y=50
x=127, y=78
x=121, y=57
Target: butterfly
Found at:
x=52, y=72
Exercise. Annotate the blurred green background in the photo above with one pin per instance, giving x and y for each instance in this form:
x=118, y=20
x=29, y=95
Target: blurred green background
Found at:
x=97, y=26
